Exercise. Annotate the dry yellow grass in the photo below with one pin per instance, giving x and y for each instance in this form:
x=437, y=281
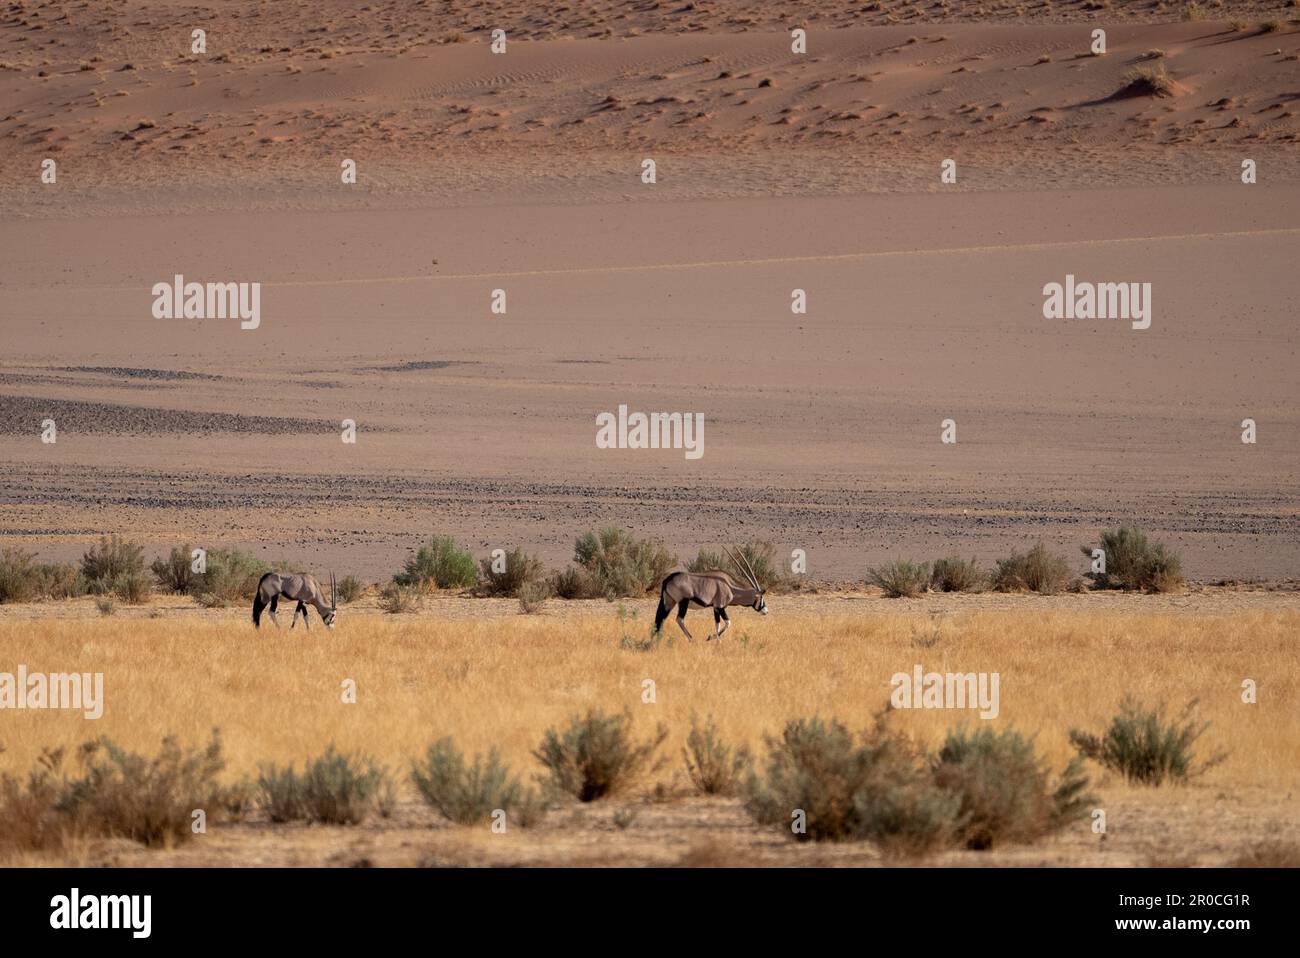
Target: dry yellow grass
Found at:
x=277, y=695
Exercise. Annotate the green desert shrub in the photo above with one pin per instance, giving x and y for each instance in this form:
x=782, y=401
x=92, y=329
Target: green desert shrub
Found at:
x=713, y=766
x=147, y=799
x=59, y=580
x=620, y=564
x=17, y=575
x=350, y=589
x=469, y=794
x=229, y=576
x=439, y=564
x=596, y=755
x=900, y=578
x=873, y=788
x=22, y=579
x=520, y=570
x=1034, y=571
x=1145, y=747
x=954, y=574
x=575, y=583
x=1004, y=791
x=336, y=788
x=760, y=556
x=1136, y=564
x=175, y=573
x=112, y=557
x=133, y=588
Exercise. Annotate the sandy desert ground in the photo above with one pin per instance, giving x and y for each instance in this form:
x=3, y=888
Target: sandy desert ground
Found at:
x=776, y=171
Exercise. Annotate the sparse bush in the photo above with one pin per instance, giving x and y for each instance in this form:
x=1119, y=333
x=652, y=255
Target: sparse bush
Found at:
x=1003, y=790
x=335, y=788
x=175, y=573
x=229, y=576
x=350, y=589
x=761, y=557
x=29, y=807
x=17, y=575
x=596, y=756
x=1035, y=571
x=22, y=579
x=621, y=565
x=1133, y=563
x=575, y=583
x=1270, y=26
x=133, y=588
x=59, y=580
x=714, y=767
x=468, y=795
x=953, y=574
x=149, y=800
x=1145, y=748
x=113, y=557
x=439, y=564
x=900, y=578
x=399, y=598
x=1194, y=11
x=520, y=570
x=533, y=596
x=105, y=605
x=876, y=789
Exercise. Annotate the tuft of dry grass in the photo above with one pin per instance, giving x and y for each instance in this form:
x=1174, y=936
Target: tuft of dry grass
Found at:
x=1146, y=81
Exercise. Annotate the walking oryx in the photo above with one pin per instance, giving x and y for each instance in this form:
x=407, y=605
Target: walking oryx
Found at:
x=704, y=589
x=299, y=587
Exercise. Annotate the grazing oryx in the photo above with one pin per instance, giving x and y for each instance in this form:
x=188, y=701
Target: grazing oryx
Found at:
x=299, y=587
x=716, y=589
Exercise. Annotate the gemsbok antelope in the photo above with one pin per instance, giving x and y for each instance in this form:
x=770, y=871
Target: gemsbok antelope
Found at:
x=298, y=587
x=705, y=589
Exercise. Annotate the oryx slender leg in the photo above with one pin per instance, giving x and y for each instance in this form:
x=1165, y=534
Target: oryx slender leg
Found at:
x=681, y=618
x=720, y=617
x=275, y=600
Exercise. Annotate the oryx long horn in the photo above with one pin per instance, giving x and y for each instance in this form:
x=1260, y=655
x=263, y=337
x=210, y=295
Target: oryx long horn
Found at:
x=334, y=601
x=749, y=570
x=744, y=570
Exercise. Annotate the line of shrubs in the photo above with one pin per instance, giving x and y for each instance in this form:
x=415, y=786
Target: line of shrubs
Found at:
x=114, y=568
x=1132, y=563
x=607, y=563
x=818, y=781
